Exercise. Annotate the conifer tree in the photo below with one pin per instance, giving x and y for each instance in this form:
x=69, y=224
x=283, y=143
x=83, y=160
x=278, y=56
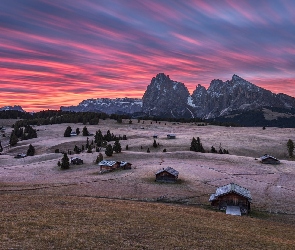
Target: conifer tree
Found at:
x=31, y=150
x=13, y=139
x=99, y=158
x=109, y=150
x=85, y=131
x=155, y=144
x=117, y=147
x=67, y=132
x=65, y=162
x=290, y=146
x=1, y=148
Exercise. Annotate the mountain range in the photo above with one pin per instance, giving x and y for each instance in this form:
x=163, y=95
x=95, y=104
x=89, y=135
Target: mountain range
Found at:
x=171, y=99
x=221, y=101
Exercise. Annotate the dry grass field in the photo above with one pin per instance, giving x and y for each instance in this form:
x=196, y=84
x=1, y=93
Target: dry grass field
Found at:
x=43, y=207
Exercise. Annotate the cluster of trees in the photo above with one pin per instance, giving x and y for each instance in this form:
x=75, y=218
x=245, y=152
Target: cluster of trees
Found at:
x=53, y=117
x=69, y=130
x=220, y=151
x=99, y=137
x=196, y=145
x=110, y=149
x=14, y=114
x=22, y=133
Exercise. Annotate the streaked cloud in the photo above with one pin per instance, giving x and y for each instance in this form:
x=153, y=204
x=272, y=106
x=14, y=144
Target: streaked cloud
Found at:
x=55, y=53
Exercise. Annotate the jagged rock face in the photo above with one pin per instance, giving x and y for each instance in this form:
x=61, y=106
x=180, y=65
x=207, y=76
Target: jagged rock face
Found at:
x=166, y=98
x=237, y=94
x=15, y=107
x=107, y=105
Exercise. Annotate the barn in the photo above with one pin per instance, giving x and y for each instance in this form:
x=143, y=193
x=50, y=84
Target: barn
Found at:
x=167, y=175
x=232, y=198
x=107, y=166
x=268, y=159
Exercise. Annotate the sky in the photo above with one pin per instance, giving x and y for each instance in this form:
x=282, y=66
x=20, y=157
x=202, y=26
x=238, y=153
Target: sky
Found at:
x=59, y=52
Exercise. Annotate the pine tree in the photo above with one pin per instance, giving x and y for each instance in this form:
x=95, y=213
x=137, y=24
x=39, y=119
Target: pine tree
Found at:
x=85, y=131
x=65, y=162
x=290, y=146
x=155, y=144
x=87, y=143
x=117, y=147
x=31, y=150
x=213, y=150
x=109, y=150
x=1, y=148
x=193, y=146
x=13, y=139
x=67, y=132
x=99, y=158
x=77, y=131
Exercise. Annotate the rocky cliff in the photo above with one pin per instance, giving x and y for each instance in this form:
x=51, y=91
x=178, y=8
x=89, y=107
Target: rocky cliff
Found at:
x=221, y=98
x=166, y=98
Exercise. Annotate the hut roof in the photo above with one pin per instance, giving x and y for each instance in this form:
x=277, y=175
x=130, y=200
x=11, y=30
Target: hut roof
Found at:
x=229, y=188
x=266, y=156
x=107, y=163
x=169, y=170
x=123, y=163
x=74, y=158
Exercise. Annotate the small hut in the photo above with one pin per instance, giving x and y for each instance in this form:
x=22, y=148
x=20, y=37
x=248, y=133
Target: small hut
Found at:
x=268, y=159
x=125, y=165
x=171, y=136
x=107, y=166
x=232, y=198
x=167, y=175
x=76, y=161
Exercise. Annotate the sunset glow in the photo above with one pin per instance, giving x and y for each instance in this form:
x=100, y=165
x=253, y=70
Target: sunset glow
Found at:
x=57, y=53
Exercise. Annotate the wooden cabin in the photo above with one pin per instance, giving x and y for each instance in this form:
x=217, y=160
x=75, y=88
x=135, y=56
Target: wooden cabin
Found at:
x=76, y=161
x=125, y=165
x=107, y=166
x=167, y=175
x=171, y=136
x=268, y=159
x=232, y=197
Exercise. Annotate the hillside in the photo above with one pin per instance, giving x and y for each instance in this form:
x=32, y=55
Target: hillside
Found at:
x=73, y=222
x=45, y=207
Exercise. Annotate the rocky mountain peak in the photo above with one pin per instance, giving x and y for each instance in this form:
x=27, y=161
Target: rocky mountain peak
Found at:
x=165, y=97
x=15, y=107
